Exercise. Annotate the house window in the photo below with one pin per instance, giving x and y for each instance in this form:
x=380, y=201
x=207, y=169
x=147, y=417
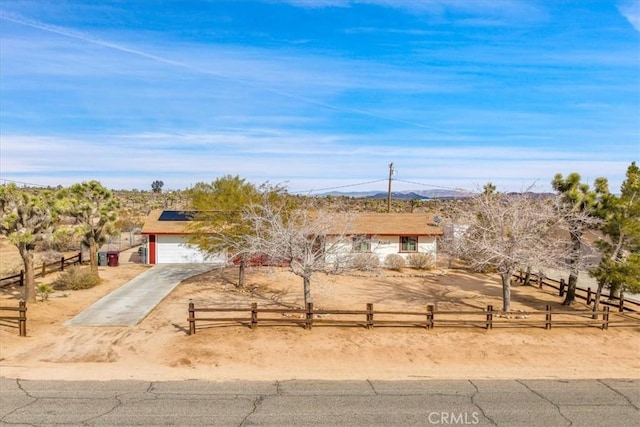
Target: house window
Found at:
x=409, y=244
x=361, y=243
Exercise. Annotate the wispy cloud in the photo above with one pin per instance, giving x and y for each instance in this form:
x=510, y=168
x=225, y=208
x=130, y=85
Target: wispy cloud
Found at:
x=495, y=12
x=630, y=9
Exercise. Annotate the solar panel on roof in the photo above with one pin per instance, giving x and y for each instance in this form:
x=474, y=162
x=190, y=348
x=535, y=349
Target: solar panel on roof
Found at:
x=177, y=215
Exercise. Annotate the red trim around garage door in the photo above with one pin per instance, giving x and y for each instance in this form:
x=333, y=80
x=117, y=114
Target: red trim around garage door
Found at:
x=152, y=248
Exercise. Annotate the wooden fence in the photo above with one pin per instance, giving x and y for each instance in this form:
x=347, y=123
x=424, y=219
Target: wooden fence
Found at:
x=588, y=295
x=18, y=321
x=18, y=279
x=368, y=318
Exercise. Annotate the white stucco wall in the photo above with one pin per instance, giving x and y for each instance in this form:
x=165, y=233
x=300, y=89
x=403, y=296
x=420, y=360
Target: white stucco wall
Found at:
x=383, y=246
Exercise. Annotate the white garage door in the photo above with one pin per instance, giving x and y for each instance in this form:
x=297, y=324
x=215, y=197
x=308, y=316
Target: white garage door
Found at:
x=175, y=250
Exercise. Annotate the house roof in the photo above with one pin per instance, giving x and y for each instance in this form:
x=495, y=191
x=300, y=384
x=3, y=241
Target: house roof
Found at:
x=392, y=224
x=379, y=224
x=154, y=225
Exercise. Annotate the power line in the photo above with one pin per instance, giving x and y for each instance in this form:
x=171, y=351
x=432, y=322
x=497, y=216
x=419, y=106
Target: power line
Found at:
x=462, y=190
x=338, y=186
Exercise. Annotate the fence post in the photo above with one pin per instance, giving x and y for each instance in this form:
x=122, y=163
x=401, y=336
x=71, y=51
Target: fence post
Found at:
x=21, y=277
x=309, y=316
x=44, y=269
x=62, y=264
x=369, y=315
x=430, y=315
x=192, y=318
x=562, y=287
x=489, y=324
x=547, y=320
x=605, y=318
x=80, y=258
x=589, y=296
x=22, y=323
x=540, y=280
x=621, y=304
x=254, y=314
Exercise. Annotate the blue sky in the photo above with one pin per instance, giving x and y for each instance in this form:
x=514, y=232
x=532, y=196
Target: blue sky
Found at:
x=316, y=94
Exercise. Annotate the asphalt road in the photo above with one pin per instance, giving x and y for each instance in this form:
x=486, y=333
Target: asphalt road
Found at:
x=297, y=402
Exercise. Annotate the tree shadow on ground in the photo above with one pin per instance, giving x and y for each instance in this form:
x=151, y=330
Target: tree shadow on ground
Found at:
x=459, y=289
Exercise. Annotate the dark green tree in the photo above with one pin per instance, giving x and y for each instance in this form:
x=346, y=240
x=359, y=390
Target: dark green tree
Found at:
x=619, y=268
x=156, y=186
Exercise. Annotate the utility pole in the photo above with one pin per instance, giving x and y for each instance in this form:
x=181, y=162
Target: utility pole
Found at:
x=391, y=170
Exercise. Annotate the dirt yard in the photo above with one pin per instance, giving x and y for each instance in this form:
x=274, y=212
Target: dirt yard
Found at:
x=160, y=349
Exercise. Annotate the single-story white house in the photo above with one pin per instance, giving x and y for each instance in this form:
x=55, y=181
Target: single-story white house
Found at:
x=381, y=234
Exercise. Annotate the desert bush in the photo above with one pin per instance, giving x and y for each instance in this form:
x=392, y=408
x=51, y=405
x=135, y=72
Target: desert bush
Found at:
x=365, y=262
x=394, y=262
x=44, y=290
x=420, y=260
x=67, y=239
x=49, y=256
x=76, y=278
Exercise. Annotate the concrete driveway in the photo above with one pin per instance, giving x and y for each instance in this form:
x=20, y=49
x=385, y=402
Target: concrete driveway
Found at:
x=130, y=303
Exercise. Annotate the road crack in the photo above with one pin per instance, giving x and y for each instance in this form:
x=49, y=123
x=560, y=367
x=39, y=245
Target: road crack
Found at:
x=256, y=402
x=473, y=401
x=617, y=392
x=548, y=400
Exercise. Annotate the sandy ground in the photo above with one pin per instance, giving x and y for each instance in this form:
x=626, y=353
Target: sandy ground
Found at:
x=159, y=348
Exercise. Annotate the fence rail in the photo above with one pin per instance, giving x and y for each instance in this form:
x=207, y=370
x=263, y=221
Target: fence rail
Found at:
x=369, y=318
x=586, y=294
x=18, y=321
x=18, y=279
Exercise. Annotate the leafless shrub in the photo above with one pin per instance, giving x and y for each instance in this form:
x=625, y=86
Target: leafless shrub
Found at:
x=365, y=262
x=394, y=262
x=421, y=261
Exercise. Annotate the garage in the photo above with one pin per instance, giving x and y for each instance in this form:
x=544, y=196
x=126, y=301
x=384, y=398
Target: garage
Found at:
x=167, y=236
x=176, y=250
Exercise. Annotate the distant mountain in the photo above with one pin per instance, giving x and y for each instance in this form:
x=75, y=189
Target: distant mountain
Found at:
x=416, y=194
x=405, y=195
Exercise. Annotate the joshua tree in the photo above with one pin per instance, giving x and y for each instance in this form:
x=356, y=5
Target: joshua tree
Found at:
x=577, y=203
x=25, y=217
x=94, y=209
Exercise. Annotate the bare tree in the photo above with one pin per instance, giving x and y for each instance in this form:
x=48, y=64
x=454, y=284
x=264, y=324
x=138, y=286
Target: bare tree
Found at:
x=25, y=217
x=308, y=242
x=509, y=232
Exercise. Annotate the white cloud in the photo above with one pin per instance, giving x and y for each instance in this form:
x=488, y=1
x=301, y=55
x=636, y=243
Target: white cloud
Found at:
x=304, y=161
x=630, y=9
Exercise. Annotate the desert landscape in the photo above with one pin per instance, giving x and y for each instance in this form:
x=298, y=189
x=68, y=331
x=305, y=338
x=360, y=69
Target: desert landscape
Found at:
x=159, y=348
